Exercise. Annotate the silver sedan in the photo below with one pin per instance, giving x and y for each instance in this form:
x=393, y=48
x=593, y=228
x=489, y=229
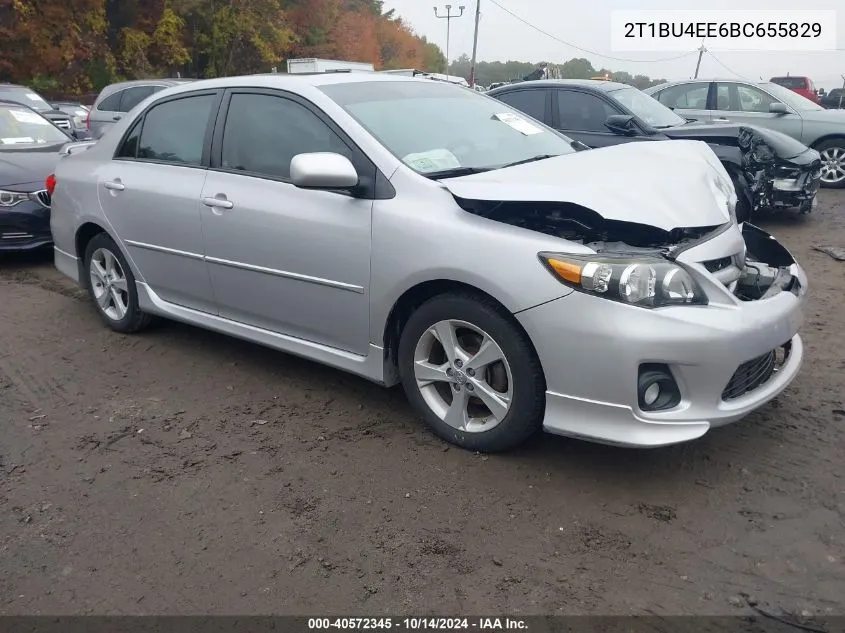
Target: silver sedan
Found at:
x=416, y=232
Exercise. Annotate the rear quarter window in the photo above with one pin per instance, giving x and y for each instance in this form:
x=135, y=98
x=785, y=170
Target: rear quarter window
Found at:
x=110, y=103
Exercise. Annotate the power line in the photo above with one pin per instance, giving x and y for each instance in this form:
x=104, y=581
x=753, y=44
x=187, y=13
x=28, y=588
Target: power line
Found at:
x=722, y=64
x=586, y=50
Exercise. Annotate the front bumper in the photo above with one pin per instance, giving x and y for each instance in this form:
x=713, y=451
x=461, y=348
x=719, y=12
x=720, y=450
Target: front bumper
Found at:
x=797, y=191
x=591, y=350
x=25, y=227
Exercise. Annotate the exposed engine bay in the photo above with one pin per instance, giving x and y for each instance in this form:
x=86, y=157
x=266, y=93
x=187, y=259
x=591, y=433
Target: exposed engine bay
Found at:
x=584, y=226
x=764, y=272
x=767, y=269
x=763, y=169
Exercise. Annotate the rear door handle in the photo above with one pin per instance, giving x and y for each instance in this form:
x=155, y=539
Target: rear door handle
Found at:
x=114, y=185
x=218, y=203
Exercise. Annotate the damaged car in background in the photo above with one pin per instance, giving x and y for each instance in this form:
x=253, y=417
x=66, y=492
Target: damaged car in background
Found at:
x=477, y=259
x=769, y=169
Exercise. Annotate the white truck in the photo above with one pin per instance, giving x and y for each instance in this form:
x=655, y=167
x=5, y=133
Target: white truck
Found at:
x=315, y=65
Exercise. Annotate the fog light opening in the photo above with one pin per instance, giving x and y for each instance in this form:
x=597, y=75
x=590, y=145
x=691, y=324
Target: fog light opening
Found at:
x=656, y=388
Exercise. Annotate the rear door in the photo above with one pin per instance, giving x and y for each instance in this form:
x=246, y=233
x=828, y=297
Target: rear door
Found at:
x=744, y=103
x=533, y=101
x=689, y=100
x=150, y=193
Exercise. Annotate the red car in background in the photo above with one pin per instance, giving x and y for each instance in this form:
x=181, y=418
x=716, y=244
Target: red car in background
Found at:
x=802, y=85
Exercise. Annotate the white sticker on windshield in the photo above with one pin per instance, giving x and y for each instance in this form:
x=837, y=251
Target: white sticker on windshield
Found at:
x=33, y=97
x=434, y=160
x=22, y=116
x=17, y=140
x=517, y=123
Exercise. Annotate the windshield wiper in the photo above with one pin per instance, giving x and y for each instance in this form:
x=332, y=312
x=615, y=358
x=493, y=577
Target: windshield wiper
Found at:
x=456, y=171
x=533, y=159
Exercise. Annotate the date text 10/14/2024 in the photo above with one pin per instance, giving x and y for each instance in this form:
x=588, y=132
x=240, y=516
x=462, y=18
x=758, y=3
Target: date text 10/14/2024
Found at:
x=418, y=624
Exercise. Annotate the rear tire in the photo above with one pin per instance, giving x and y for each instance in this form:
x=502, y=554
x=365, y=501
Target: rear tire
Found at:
x=111, y=286
x=833, y=163
x=471, y=373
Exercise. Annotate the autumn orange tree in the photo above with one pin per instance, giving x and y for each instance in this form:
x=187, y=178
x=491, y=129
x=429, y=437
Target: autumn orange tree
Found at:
x=81, y=45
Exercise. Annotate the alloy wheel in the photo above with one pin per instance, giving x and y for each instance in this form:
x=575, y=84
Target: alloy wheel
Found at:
x=833, y=165
x=463, y=376
x=109, y=285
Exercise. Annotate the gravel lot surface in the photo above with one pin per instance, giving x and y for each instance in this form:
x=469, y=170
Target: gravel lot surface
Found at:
x=182, y=472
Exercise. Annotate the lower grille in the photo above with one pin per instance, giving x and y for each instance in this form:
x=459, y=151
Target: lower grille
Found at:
x=755, y=372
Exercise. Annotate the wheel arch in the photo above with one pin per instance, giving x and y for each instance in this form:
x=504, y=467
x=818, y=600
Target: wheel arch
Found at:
x=828, y=137
x=86, y=232
x=414, y=297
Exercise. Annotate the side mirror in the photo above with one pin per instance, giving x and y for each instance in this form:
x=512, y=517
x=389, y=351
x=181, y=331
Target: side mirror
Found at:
x=323, y=170
x=578, y=146
x=778, y=108
x=621, y=124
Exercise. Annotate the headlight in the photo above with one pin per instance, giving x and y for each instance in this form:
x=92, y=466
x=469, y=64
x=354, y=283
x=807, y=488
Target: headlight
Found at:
x=640, y=281
x=11, y=198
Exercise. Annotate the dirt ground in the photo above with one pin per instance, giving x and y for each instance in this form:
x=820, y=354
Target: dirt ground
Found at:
x=182, y=472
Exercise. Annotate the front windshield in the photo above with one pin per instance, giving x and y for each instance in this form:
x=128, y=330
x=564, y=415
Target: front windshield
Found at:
x=437, y=127
x=647, y=108
x=790, y=98
x=22, y=128
x=26, y=97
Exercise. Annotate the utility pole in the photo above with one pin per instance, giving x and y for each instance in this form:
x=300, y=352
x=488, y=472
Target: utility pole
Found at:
x=448, y=17
x=475, y=44
x=700, y=54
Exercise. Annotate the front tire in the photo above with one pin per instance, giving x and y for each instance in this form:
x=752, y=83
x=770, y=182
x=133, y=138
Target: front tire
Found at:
x=111, y=286
x=471, y=373
x=833, y=163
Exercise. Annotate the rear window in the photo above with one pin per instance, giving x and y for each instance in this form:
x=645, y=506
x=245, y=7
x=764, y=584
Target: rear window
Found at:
x=790, y=82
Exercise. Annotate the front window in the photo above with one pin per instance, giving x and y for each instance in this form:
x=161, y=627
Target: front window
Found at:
x=437, y=127
x=646, y=108
x=27, y=97
x=23, y=128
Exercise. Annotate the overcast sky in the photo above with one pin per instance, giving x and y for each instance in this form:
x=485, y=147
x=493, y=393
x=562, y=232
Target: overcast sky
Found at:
x=502, y=37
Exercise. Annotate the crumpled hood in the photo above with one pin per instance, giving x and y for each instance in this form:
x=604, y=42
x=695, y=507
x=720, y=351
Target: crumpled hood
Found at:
x=665, y=184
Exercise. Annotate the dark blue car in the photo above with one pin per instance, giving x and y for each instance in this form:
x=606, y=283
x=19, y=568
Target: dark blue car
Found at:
x=29, y=151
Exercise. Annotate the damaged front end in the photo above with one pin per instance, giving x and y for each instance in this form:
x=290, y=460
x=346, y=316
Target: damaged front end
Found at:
x=777, y=171
x=768, y=268
x=761, y=270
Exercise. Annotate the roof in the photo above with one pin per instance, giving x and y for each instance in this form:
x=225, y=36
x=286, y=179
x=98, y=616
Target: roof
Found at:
x=281, y=80
x=594, y=84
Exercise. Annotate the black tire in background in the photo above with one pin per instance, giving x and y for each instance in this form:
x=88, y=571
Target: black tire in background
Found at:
x=833, y=144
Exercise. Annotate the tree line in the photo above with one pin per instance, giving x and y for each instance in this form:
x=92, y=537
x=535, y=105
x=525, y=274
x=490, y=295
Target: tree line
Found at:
x=487, y=73
x=64, y=47
x=77, y=46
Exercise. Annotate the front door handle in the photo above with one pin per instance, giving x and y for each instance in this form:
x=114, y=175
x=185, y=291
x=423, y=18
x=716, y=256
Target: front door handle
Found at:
x=117, y=117
x=114, y=185
x=218, y=203
x=722, y=119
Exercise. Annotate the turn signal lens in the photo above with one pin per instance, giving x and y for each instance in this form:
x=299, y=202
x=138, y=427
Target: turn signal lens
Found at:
x=50, y=184
x=644, y=282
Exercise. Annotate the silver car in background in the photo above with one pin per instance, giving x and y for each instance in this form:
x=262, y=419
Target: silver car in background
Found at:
x=115, y=100
x=414, y=231
x=765, y=104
